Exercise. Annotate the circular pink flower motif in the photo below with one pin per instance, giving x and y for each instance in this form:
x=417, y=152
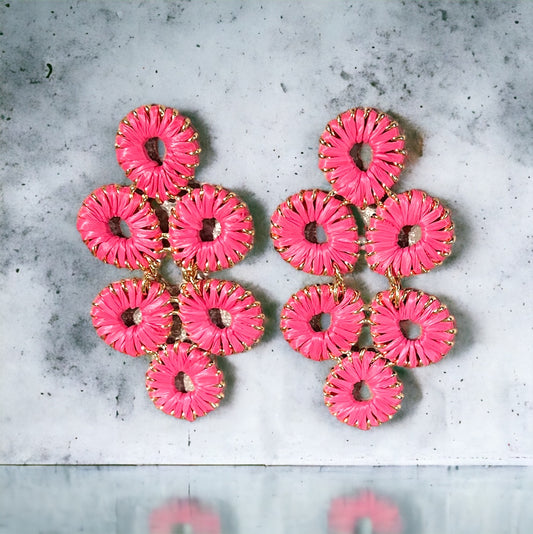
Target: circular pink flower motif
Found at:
x=346, y=514
x=131, y=318
x=390, y=328
x=210, y=227
x=294, y=231
x=220, y=316
x=136, y=143
x=183, y=381
x=184, y=515
x=345, y=395
x=99, y=223
x=410, y=233
x=340, y=155
x=301, y=321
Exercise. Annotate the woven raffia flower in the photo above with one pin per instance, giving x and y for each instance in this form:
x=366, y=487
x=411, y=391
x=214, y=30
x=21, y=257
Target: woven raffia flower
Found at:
x=301, y=321
x=99, y=223
x=345, y=395
x=210, y=227
x=220, y=316
x=294, y=232
x=390, y=328
x=184, y=516
x=341, y=160
x=131, y=318
x=158, y=175
x=346, y=514
x=410, y=233
x=184, y=382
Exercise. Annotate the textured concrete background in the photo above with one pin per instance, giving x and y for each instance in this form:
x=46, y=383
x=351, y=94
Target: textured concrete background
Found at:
x=260, y=81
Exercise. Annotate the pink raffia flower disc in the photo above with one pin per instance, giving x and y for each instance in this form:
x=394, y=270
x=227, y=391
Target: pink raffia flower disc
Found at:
x=210, y=227
x=340, y=155
x=294, y=232
x=136, y=143
x=184, y=515
x=183, y=381
x=99, y=221
x=220, y=316
x=389, y=328
x=345, y=385
x=346, y=513
x=300, y=321
x=410, y=234
x=131, y=319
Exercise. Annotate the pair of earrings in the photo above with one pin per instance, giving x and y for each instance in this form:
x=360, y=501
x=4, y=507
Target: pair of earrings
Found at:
x=205, y=228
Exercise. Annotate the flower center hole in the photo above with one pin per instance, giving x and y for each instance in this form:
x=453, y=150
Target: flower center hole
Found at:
x=211, y=229
x=131, y=316
x=220, y=318
x=156, y=150
x=314, y=233
x=364, y=526
x=361, y=154
x=119, y=227
x=361, y=392
x=183, y=382
x=320, y=322
x=409, y=235
x=410, y=330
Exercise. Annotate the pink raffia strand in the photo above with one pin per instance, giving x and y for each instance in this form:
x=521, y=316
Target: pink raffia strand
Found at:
x=220, y=316
x=226, y=240
x=189, y=513
x=183, y=381
x=301, y=315
x=386, y=390
x=297, y=244
x=133, y=317
x=99, y=225
x=345, y=513
x=159, y=176
x=387, y=248
x=437, y=328
x=353, y=128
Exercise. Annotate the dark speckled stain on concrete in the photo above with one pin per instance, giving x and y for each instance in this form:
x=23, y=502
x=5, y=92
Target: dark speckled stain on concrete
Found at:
x=454, y=45
x=69, y=276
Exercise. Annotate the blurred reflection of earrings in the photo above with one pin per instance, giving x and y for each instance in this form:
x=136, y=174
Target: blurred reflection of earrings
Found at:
x=349, y=514
x=405, y=234
x=203, y=228
x=185, y=515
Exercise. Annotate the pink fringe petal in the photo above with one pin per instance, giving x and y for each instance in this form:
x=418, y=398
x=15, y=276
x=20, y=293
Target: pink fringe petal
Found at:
x=186, y=221
x=115, y=201
x=165, y=179
x=154, y=307
x=347, y=318
x=207, y=380
x=412, y=208
x=385, y=388
x=245, y=329
x=362, y=126
x=436, y=324
x=288, y=225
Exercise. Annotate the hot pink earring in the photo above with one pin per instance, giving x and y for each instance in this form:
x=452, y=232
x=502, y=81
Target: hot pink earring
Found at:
x=203, y=228
x=405, y=234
